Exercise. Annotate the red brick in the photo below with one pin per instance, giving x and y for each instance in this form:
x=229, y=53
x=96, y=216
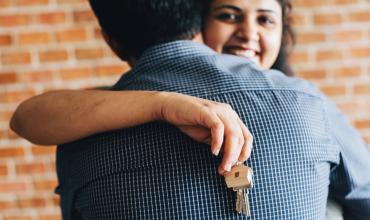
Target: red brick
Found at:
x=307, y=4
x=98, y=34
x=91, y=53
x=47, y=185
x=110, y=54
x=6, y=78
x=71, y=1
x=299, y=19
x=57, y=17
x=43, y=150
x=36, y=202
x=56, y=200
x=10, y=58
x=350, y=35
x=13, y=187
x=75, y=73
x=327, y=19
x=31, y=2
x=326, y=55
x=51, y=217
x=5, y=115
x=37, y=76
x=298, y=57
x=3, y=135
x=313, y=74
x=53, y=55
x=12, y=135
x=11, y=152
x=362, y=124
x=5, y=3
x=347, y=72
x=361, y=89
x=344, y=2
x=14, y=20
x=84, y=16
x=307, y=38
x=30, y=168
x=6, y=204
x=18, y=217
x=349, y=108
x=34, y=38
x=19, y=96
x=361, y=16
x=333, y=90
x=360, y=52
x=112, y=70
x=3, y=171
x=76, y=34
x=5, y=40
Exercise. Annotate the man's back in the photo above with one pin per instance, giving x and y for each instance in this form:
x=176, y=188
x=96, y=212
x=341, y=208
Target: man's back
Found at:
x=155, y=172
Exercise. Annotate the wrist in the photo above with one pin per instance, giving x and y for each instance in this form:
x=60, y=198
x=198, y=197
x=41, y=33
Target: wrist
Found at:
x=159, y=100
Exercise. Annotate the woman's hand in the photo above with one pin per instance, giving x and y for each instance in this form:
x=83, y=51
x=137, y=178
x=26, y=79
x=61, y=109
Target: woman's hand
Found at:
x=209, y=122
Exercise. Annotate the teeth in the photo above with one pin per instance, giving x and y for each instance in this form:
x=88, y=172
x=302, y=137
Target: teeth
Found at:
x=245, y=53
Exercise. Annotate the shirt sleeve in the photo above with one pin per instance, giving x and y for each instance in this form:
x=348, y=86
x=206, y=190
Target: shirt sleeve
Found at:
x=350, y=180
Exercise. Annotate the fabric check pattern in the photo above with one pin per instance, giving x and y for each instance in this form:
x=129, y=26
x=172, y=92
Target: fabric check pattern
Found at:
x=304, y=150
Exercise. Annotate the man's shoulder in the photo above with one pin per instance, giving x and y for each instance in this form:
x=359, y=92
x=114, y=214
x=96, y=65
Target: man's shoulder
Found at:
x=194, y=69
x=252, y=78
x=281, y=81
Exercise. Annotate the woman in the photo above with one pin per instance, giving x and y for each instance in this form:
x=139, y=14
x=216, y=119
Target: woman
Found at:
x=259, y=30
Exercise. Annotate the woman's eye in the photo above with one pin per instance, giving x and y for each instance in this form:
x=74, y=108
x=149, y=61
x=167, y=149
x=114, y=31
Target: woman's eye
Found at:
x=228, y=17
x=265, y=20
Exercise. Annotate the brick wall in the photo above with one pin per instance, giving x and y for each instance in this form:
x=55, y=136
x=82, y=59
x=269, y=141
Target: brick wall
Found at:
x=53, y=44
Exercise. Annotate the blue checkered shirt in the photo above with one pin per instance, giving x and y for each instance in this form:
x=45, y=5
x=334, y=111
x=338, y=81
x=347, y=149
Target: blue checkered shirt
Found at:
x=304, y=149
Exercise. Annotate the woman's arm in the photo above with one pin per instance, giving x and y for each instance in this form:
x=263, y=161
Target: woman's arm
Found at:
x=62, y=116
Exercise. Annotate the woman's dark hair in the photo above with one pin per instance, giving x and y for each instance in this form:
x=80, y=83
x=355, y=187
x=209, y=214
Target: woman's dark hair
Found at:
x=287, y=39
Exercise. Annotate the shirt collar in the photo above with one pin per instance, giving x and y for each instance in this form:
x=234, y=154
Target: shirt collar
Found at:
x=174, y=50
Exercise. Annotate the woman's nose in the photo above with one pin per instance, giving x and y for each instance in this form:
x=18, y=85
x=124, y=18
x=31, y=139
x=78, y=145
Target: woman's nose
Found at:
x=247, y=31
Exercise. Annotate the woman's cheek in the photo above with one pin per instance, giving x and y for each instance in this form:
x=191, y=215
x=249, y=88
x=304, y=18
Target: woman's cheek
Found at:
x=271, y=46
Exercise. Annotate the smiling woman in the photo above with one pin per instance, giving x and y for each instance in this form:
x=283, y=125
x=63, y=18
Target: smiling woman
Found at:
x=251, y=29
x=259, y=30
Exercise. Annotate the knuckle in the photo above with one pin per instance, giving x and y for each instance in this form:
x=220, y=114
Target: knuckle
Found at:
x=241, y=141
x=228, y=106
x=250, y=137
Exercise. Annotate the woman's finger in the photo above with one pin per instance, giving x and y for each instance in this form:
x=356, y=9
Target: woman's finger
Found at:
x=234, y=141
x=248, y=143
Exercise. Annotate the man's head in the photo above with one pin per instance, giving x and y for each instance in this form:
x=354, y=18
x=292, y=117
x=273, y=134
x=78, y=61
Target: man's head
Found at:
x=131, y=26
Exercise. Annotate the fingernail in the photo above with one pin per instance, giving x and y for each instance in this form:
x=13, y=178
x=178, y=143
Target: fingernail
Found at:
x=228, y=167
x=216, y=152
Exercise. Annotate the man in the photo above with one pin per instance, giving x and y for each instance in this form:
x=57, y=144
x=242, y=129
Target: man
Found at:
x=155, y=172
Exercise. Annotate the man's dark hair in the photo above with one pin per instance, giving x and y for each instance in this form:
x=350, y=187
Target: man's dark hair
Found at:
x=135, y=25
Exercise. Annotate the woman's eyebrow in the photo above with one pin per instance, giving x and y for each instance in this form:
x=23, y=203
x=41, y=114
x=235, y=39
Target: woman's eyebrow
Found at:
x=232, y=7
x=267, y=11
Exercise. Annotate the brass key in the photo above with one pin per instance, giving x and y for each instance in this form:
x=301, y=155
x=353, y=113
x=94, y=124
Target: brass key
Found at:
x=240, y=180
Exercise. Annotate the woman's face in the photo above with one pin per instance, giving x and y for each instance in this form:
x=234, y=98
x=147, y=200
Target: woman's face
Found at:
x=247, y=28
